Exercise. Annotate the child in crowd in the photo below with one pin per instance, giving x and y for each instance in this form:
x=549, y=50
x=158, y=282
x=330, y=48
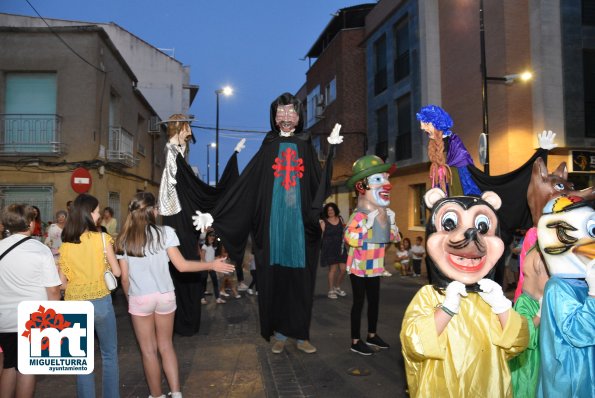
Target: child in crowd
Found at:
x=207, y=254
x=403, y=257
x=228, y=281
x=252, y=267
x=144, y=250
x=417, y=255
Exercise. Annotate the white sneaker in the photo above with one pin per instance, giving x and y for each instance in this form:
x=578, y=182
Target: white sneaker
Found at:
x=175, y=394
x=242, y=287
x=332, y=295
x=223, y=293
x=386, y=273
x=250, y=292
x=340, y=292
x=220, y=301
x=203, y=301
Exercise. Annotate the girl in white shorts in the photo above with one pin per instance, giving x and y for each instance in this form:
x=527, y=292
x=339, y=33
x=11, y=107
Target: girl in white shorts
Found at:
x=143, y=250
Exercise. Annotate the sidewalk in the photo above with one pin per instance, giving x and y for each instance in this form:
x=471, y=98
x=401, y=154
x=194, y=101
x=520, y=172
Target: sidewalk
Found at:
x=228, y=358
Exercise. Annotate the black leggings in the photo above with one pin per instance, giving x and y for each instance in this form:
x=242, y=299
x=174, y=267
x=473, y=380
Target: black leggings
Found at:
x=364, y=287
x=215, y=281
x=253, y=283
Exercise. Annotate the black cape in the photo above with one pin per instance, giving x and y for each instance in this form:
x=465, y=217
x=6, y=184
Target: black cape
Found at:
x=512, y=188
x=284, y=294
x=193, y=194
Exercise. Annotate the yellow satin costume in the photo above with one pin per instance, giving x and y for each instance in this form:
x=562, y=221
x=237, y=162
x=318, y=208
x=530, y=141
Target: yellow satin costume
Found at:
x=470, y=357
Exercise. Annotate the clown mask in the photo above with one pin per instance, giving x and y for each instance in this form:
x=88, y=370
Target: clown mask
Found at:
x=566, y=236
x=287, y=119
x=463, y=242
x=376, y=190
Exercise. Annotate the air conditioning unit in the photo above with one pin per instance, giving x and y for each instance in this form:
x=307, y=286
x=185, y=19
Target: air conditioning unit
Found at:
x=154, y=125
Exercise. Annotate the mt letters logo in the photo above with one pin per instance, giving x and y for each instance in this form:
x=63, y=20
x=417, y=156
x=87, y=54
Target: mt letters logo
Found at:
x=56, y=337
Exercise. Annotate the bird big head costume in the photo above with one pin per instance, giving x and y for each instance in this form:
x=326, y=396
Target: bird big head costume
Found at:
x=566, y=236
x=462, y=238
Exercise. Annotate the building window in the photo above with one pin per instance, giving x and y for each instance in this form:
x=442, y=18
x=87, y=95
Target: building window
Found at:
x=41, y=196
x=589, y=92
x=314, y=107
x=403, y=144
x=380, y=65
x=113, y=201
x=419, y=210
x=382, y=133
x=401, y=66
x=30, y=123
x=330, y=92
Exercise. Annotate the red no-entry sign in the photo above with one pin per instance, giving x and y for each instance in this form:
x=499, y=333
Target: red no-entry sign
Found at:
x=80, y=180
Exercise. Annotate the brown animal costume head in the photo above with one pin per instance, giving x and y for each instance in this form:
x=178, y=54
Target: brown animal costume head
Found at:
x=543, y=187
x=462, y=238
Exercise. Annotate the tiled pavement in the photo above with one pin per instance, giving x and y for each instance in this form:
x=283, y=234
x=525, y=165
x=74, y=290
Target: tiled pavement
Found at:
x=228, y=358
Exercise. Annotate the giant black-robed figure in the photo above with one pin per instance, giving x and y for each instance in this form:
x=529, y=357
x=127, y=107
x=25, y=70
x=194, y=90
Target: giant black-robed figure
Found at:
x=277, y=200
x=181, y=192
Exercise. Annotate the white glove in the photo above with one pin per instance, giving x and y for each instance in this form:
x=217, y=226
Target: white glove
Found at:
x=493, y=295
x=241, y=145
x=334, y=138
x=391, y=216
x=590, y=278
x=454, y=291
x=546, y=140
x=202, y=221
x=539, y=310
x=371, y=217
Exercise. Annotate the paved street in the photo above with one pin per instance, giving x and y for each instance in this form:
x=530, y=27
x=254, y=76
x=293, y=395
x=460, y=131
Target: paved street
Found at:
x=228, y=358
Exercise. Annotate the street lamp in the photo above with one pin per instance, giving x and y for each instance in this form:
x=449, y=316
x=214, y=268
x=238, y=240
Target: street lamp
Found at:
x=211, y=145
x=227, y=91
x=507, y=79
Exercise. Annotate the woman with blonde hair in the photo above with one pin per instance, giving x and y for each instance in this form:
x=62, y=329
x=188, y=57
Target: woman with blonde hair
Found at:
x=144, y=249
x=82, y=266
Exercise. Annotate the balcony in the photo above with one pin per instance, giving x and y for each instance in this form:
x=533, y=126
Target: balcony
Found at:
x=121, y=147
x=31, y=135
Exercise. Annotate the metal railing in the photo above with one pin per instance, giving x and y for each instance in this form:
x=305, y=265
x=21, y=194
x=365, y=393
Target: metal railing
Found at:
x=121, y=147
x=30, y=134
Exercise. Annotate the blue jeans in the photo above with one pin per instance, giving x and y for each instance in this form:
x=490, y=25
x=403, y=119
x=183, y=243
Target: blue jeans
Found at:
x=282, y=337
x=105, y=328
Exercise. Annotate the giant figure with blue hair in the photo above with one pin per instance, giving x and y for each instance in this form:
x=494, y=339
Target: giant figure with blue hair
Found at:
x=453, y=171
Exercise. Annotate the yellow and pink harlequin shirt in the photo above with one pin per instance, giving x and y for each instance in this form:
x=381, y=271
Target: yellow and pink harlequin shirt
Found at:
x=365, y=258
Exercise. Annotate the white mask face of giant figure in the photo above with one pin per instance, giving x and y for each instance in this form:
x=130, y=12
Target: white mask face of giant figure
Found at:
x=379, y=186
x=287, y=118
x=567, y=237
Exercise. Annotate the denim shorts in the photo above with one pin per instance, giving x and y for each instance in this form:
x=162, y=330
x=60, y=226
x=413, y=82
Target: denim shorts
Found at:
x=147, y=304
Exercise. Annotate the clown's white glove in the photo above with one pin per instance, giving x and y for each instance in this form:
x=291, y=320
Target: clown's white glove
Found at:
x=371, y=217
x=391, y=216
x=546, y=140
x=590, y=278
x=334, y=138
x=241, y=145
x=453, y=293
x=493, y=295
x=202, y=221
x=539, y=310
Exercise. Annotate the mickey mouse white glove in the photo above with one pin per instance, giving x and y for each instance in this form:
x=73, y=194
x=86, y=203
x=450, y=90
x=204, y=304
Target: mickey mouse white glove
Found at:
x=546, y=140
x=454, y=292
x=202, y=221
x=334, y=138
x=493, y=295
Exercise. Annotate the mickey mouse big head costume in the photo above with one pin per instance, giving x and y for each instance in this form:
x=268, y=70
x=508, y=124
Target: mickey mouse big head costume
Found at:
x=458, y=334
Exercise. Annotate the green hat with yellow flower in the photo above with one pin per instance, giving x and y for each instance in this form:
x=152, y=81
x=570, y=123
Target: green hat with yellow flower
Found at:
x=366, y=166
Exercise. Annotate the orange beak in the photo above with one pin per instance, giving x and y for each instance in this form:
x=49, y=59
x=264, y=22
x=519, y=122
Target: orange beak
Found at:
x=586, y=249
